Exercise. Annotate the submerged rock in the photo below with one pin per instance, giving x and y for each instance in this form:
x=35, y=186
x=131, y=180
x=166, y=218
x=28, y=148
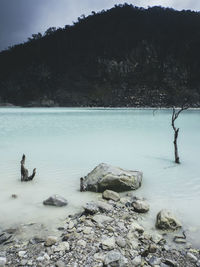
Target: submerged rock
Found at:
x=55, y=200
x=167, y=221
x=105, y=176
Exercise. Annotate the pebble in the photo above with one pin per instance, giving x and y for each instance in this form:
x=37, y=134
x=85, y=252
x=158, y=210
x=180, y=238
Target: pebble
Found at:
x=192, y=257
x=21, y=254
x=137, y=261
x=3, y=261
x=51, y=240
x=81, y=243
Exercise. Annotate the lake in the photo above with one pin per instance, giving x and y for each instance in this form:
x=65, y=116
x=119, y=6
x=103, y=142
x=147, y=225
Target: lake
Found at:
x=65, y=144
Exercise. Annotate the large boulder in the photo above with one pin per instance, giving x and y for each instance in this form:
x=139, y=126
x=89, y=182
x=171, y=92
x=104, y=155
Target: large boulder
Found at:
x=167, y=221
x=105, y=176
x=55, y=200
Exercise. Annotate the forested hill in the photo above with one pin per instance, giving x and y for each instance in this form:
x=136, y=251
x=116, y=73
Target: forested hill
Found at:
x=125, y=56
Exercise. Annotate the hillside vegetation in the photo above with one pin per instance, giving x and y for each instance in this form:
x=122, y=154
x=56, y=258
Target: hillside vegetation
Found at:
x=125, y=56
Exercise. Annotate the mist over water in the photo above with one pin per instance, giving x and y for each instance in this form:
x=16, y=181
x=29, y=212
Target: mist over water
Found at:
x=65, y=144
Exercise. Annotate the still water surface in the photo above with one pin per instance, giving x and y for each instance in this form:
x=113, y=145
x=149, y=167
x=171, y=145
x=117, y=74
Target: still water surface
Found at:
x=66, y=143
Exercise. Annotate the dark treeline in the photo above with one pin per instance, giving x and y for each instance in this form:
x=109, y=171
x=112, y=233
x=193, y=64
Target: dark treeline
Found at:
x=125, y=56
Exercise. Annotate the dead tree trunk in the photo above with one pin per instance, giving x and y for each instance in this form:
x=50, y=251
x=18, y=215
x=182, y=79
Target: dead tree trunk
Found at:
x=24, y=171
x=175, y=115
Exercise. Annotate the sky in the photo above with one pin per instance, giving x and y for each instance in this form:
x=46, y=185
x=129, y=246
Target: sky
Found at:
x=19, y=19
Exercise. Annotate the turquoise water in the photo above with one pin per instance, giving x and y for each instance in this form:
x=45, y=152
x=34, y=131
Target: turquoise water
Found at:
x=66, y=143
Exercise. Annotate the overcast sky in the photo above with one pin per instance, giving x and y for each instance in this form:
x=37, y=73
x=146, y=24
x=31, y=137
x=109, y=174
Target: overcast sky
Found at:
x=19, y=19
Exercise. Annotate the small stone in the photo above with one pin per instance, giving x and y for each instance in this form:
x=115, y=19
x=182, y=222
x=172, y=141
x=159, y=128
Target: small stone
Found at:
x=137, y=261
x=169, y=262
x=115, y=258
x=51, y=240
x=4, y=237
x=63, y=246
x=23, y=262
x=71, y=225
x=21, y=254
x=91, y=208
x=156, y=237
x=40, y=258
x=87, y=230
x=55, y=200
x=141, y=206
x=110, y=228
x=136, y=227
x=102, y=219
x=99, y=257
x=103, y=206
x=192, y=257
x=152, y=248
x=134, y=244
x=89, y=223
x=3, y=261
x=108, y=242
x=81, y=243
x=154, y=261
x=198, y=263
x=121, y=242
x=60, y=264
x=111, y=195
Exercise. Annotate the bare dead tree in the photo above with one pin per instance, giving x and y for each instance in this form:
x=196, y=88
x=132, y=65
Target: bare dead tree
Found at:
x=175, y=115
x=24, y=171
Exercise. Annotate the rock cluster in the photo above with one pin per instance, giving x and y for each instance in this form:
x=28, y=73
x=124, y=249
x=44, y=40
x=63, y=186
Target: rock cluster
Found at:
x=106, y=233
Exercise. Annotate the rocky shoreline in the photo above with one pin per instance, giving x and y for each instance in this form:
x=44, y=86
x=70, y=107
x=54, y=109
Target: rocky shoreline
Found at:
x=108, y=232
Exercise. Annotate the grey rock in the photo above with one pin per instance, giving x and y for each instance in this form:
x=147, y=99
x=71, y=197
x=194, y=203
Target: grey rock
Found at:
x=55, y=200
x=4, y=237
x=136, y=227
x=141, y=206
x=87, y=230
x=23, y=262
x=91, y=208
x=121, y=242
x=3, y=261
x=154, y=261
x=192, y=257
x=103, y=206
x=167, y=221
x=198, y=263
x=115, y=259
x=169, y=262
x=152, y=248
x=137, y=261
x=108, y=242
x=111, y=195
x=63, y=246
x=102, y=219
x=60, y=264
x=21, y=253
x=105, y=176
x=51, y=240
x=81, y=243
x=156, y=237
